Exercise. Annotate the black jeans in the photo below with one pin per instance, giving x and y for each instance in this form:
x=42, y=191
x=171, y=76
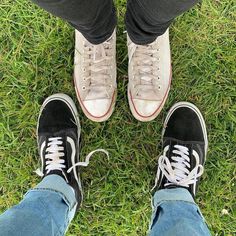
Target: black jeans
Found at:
x=96, y=19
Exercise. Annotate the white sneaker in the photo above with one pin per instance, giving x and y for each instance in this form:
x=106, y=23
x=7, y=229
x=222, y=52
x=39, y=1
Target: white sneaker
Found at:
x=95, y=76
x=149, y=77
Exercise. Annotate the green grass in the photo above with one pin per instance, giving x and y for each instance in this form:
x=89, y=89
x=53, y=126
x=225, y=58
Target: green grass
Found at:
x=36, y=60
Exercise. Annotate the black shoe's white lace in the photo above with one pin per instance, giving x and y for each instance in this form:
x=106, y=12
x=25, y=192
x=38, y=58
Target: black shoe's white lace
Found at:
x=55, y=157
x=176, y=169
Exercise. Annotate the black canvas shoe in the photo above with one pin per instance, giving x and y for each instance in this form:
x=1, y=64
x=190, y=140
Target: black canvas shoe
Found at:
x=58, y=136
x=184, y=148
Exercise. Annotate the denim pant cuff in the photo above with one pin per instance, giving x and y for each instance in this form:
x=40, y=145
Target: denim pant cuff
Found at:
x=174, y=194
x=56, y=183
x=165, y=195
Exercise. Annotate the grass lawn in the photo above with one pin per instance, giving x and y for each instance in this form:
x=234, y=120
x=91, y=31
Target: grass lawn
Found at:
x=36, y=60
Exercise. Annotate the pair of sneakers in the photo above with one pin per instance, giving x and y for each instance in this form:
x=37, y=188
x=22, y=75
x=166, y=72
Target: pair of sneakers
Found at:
x=184, y=145
x=95, y=71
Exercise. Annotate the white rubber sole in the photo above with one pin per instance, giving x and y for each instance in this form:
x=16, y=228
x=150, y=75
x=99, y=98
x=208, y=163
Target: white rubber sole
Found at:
x=197, y=111
x=65, y=98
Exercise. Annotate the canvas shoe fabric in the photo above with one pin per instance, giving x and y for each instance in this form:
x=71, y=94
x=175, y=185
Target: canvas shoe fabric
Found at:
x=95, y=76
x=185, y=146
x=149, y=75
x=58, y=136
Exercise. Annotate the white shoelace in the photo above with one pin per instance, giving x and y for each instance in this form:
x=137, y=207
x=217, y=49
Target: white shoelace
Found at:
x=97, y=64
x=146, y=67
x=55, y=151
x=176, y=171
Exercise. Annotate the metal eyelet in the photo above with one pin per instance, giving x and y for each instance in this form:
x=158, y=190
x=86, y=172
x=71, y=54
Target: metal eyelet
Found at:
x=83, y=88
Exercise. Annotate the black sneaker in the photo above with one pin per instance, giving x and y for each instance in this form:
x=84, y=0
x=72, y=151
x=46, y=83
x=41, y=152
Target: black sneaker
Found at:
x=58, y=136
x=184, y=148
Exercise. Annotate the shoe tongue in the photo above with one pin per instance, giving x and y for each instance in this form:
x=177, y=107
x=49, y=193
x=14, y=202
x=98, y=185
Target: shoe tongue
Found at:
x=98, y=89
x=98, y=55
x=145, y=79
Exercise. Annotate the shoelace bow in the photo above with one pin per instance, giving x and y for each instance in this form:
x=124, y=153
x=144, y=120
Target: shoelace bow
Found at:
x=97, y=60
x=55, y=151
x=176, y=171
x=146, y=60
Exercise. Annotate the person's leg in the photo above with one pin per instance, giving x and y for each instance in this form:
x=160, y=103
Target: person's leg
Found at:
x=148, y=19
x=175, y=213
x=48, y=208
x=95, y=52
x=178, y=174
x=150, y=72
x=95, y=19
x=45, y=210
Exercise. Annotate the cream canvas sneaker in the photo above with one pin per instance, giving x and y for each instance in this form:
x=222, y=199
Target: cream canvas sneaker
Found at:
x=149, y=77
x=95, y=76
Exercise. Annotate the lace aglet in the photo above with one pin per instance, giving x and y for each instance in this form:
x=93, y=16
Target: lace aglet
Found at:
x=39, y=172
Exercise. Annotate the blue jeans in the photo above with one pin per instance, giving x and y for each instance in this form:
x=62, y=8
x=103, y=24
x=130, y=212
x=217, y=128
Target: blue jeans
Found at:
x=176, y=214
x=49, y=208
x=45, y=210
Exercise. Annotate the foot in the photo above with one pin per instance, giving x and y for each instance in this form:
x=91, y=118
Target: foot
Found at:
x=184, y=148
x=95, y=76
x=149, y=77
x=58, y=136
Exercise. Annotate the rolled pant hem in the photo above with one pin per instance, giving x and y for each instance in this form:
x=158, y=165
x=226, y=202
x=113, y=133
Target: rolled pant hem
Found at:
x=176, y=194
x=56, y=184
x=171, y=195
x=71, y=206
